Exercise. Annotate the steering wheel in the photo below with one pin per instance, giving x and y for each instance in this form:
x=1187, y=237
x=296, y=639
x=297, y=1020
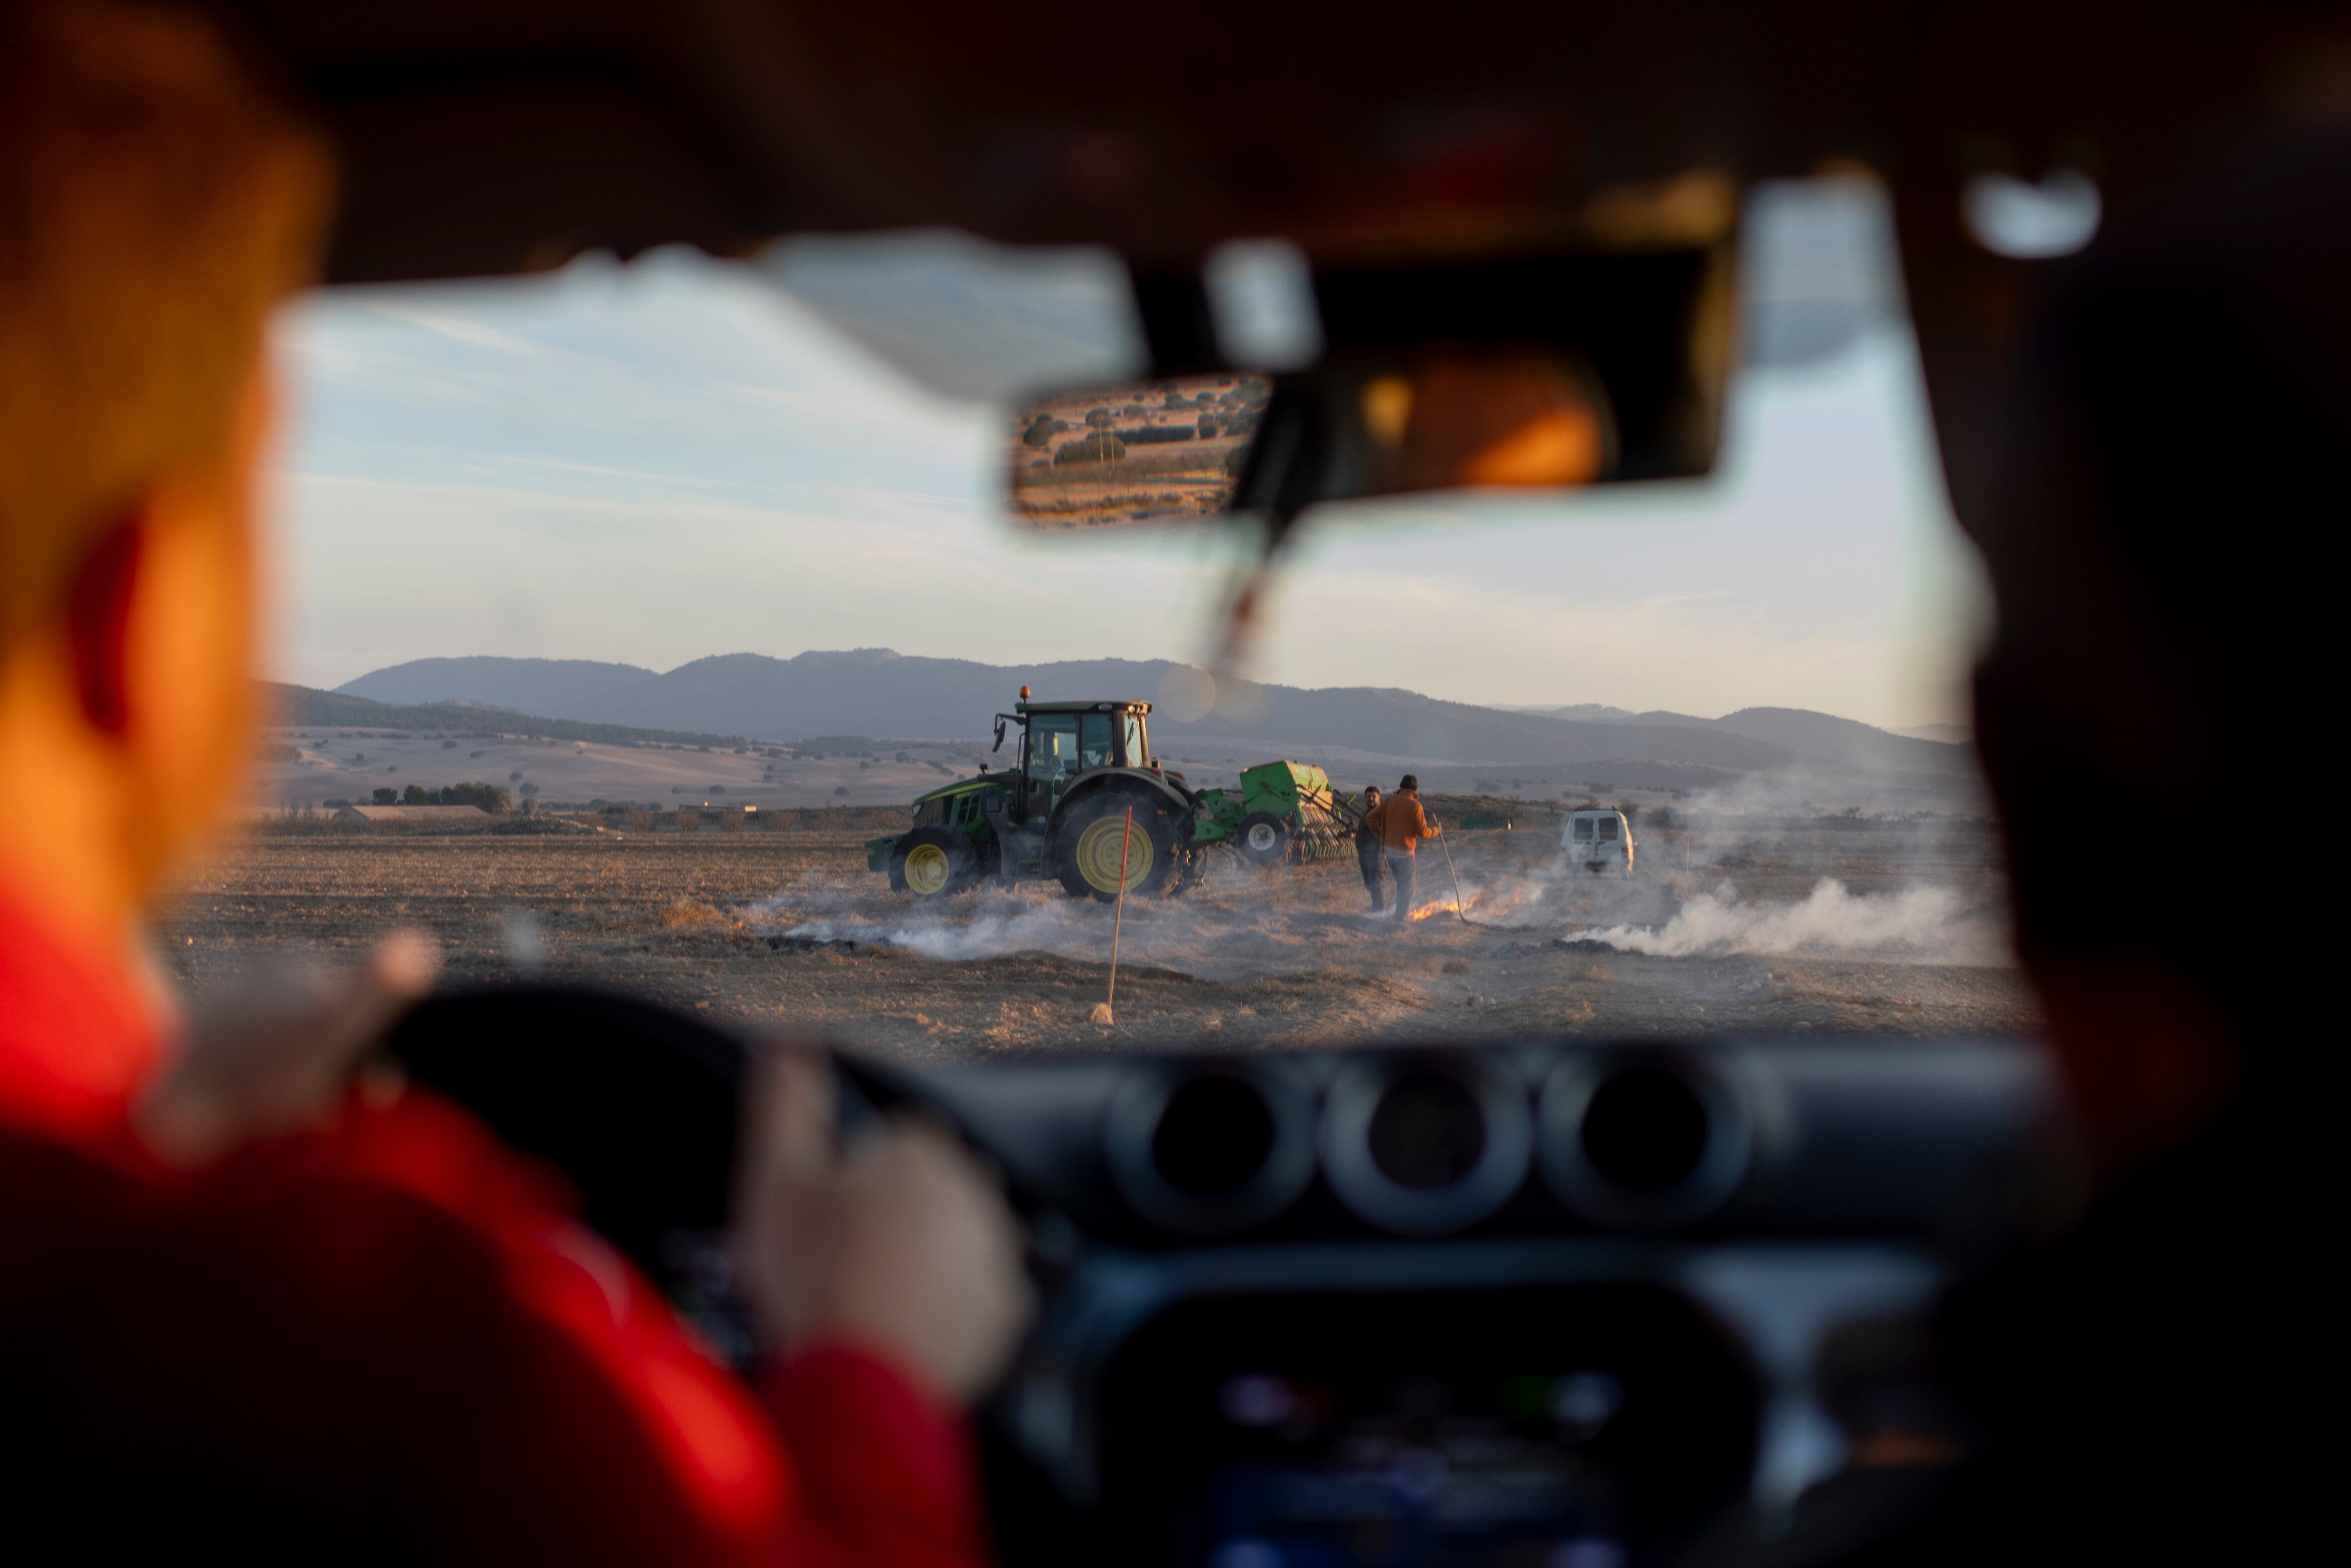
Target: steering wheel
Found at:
x=636, y=1103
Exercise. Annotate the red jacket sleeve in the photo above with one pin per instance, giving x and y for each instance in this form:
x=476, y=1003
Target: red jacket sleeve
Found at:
x=882, y=1477
x=394, y=1334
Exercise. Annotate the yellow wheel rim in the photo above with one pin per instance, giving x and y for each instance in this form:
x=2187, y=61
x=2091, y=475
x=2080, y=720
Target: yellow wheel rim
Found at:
x=1097, y=853
x=927, y=870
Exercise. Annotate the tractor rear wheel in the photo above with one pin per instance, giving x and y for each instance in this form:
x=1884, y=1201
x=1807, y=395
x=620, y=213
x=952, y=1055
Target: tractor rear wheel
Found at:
x=933, y=863
x=1086, y=846
x=1264, y=838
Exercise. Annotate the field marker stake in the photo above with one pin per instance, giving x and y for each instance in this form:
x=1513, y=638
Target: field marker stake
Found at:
x=1457, y=915
x=1118, y=917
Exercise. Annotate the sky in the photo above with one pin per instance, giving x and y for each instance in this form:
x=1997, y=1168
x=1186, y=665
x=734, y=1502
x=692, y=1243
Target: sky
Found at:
x=654, y=462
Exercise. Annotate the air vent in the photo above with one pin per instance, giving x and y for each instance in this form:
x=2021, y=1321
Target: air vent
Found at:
x=1214, y=1135
x=1642, y=1143
x=1206, y=1153
x=1645, y=1129
x=1428, y=1133
x=1421, y=1147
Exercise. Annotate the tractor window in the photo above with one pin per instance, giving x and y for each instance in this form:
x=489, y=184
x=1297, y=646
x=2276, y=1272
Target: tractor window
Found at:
x=1094, y=739
x=1138, y=752
x=1052, y=745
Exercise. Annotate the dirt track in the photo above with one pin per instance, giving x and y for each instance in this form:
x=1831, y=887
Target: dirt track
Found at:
x=1748, y=939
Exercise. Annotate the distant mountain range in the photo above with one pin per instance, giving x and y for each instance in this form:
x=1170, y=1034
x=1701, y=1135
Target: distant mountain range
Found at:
x=305, y=707
x=876, y=692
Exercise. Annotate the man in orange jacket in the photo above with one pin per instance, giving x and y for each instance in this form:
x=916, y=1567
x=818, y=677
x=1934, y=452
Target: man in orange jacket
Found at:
x=242, y=1305
x=1401, y=824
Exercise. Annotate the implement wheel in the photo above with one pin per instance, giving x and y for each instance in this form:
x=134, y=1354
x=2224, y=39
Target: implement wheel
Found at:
x=1264, y=838
x=933, y=863
x=1086, y=847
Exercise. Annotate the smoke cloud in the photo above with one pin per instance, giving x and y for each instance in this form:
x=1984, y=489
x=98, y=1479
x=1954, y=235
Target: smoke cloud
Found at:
x=1927, y=924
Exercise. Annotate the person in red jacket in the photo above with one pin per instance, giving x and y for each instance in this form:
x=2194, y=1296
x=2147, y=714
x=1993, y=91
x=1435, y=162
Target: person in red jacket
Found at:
x=250, y=1297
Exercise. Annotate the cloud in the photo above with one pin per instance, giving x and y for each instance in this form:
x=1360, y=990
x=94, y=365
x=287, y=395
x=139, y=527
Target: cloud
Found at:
x=653, y=462
x=450, y=325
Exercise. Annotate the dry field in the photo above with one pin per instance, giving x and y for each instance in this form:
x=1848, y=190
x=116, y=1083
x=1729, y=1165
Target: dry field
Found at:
x=1845, y=925
x=1174, y=440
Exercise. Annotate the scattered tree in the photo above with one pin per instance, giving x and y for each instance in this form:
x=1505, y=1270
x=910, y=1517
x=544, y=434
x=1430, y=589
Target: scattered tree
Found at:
x=490, y=798
x=387, y=797
x=1102, y=446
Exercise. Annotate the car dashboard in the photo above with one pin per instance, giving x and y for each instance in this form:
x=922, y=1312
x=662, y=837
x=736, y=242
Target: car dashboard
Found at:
x=1555, y=1301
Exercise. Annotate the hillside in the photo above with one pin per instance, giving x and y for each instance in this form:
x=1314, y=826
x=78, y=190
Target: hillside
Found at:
x=875, y=691
x=303, y=707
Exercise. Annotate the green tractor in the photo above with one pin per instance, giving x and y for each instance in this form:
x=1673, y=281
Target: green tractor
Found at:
x=1063, y=811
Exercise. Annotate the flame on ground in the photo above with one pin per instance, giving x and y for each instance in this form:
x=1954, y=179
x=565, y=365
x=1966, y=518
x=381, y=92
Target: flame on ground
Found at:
x=1436, y=906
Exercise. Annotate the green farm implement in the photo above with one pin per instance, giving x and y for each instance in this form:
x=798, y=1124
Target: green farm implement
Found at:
x=1085, y=796
x=1282, y=812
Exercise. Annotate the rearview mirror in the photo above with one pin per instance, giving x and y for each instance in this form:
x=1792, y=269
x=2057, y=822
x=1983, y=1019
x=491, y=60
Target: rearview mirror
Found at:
x=1553, y=371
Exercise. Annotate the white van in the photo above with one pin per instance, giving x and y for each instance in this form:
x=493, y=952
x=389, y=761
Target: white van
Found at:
x=1598, y=840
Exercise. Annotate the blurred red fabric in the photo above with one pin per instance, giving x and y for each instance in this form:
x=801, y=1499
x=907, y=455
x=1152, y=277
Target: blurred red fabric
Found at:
x=392, y=1340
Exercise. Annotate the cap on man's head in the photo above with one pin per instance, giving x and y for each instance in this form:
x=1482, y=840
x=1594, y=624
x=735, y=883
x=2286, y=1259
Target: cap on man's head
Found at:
x=1411, y=781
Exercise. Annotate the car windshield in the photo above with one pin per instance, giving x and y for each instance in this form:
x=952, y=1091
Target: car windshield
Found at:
x=630, y=615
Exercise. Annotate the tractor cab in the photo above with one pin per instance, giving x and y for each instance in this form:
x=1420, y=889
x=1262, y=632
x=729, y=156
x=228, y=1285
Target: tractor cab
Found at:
x=1062, y=741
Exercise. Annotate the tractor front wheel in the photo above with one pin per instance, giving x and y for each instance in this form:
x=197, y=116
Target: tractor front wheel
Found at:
x=1088, y=843
x=933, y=863
x=1264, y=838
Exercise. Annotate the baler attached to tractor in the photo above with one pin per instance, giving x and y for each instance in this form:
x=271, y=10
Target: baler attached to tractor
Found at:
x=1282, y=812
x=1063, y=811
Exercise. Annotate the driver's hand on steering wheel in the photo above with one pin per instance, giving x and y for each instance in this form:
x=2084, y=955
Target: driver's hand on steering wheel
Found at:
x=276, y=1050
x=898, y=1243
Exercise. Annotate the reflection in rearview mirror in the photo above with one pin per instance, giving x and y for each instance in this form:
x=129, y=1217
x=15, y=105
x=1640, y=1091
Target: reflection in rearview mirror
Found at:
x=1509, y=416
x=1532, y=371
x=1157, y=449
x=1376, y=424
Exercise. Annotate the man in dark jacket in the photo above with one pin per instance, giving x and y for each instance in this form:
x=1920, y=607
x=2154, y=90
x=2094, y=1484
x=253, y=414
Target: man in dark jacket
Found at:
x=1401, y=824
x=1367, y=850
